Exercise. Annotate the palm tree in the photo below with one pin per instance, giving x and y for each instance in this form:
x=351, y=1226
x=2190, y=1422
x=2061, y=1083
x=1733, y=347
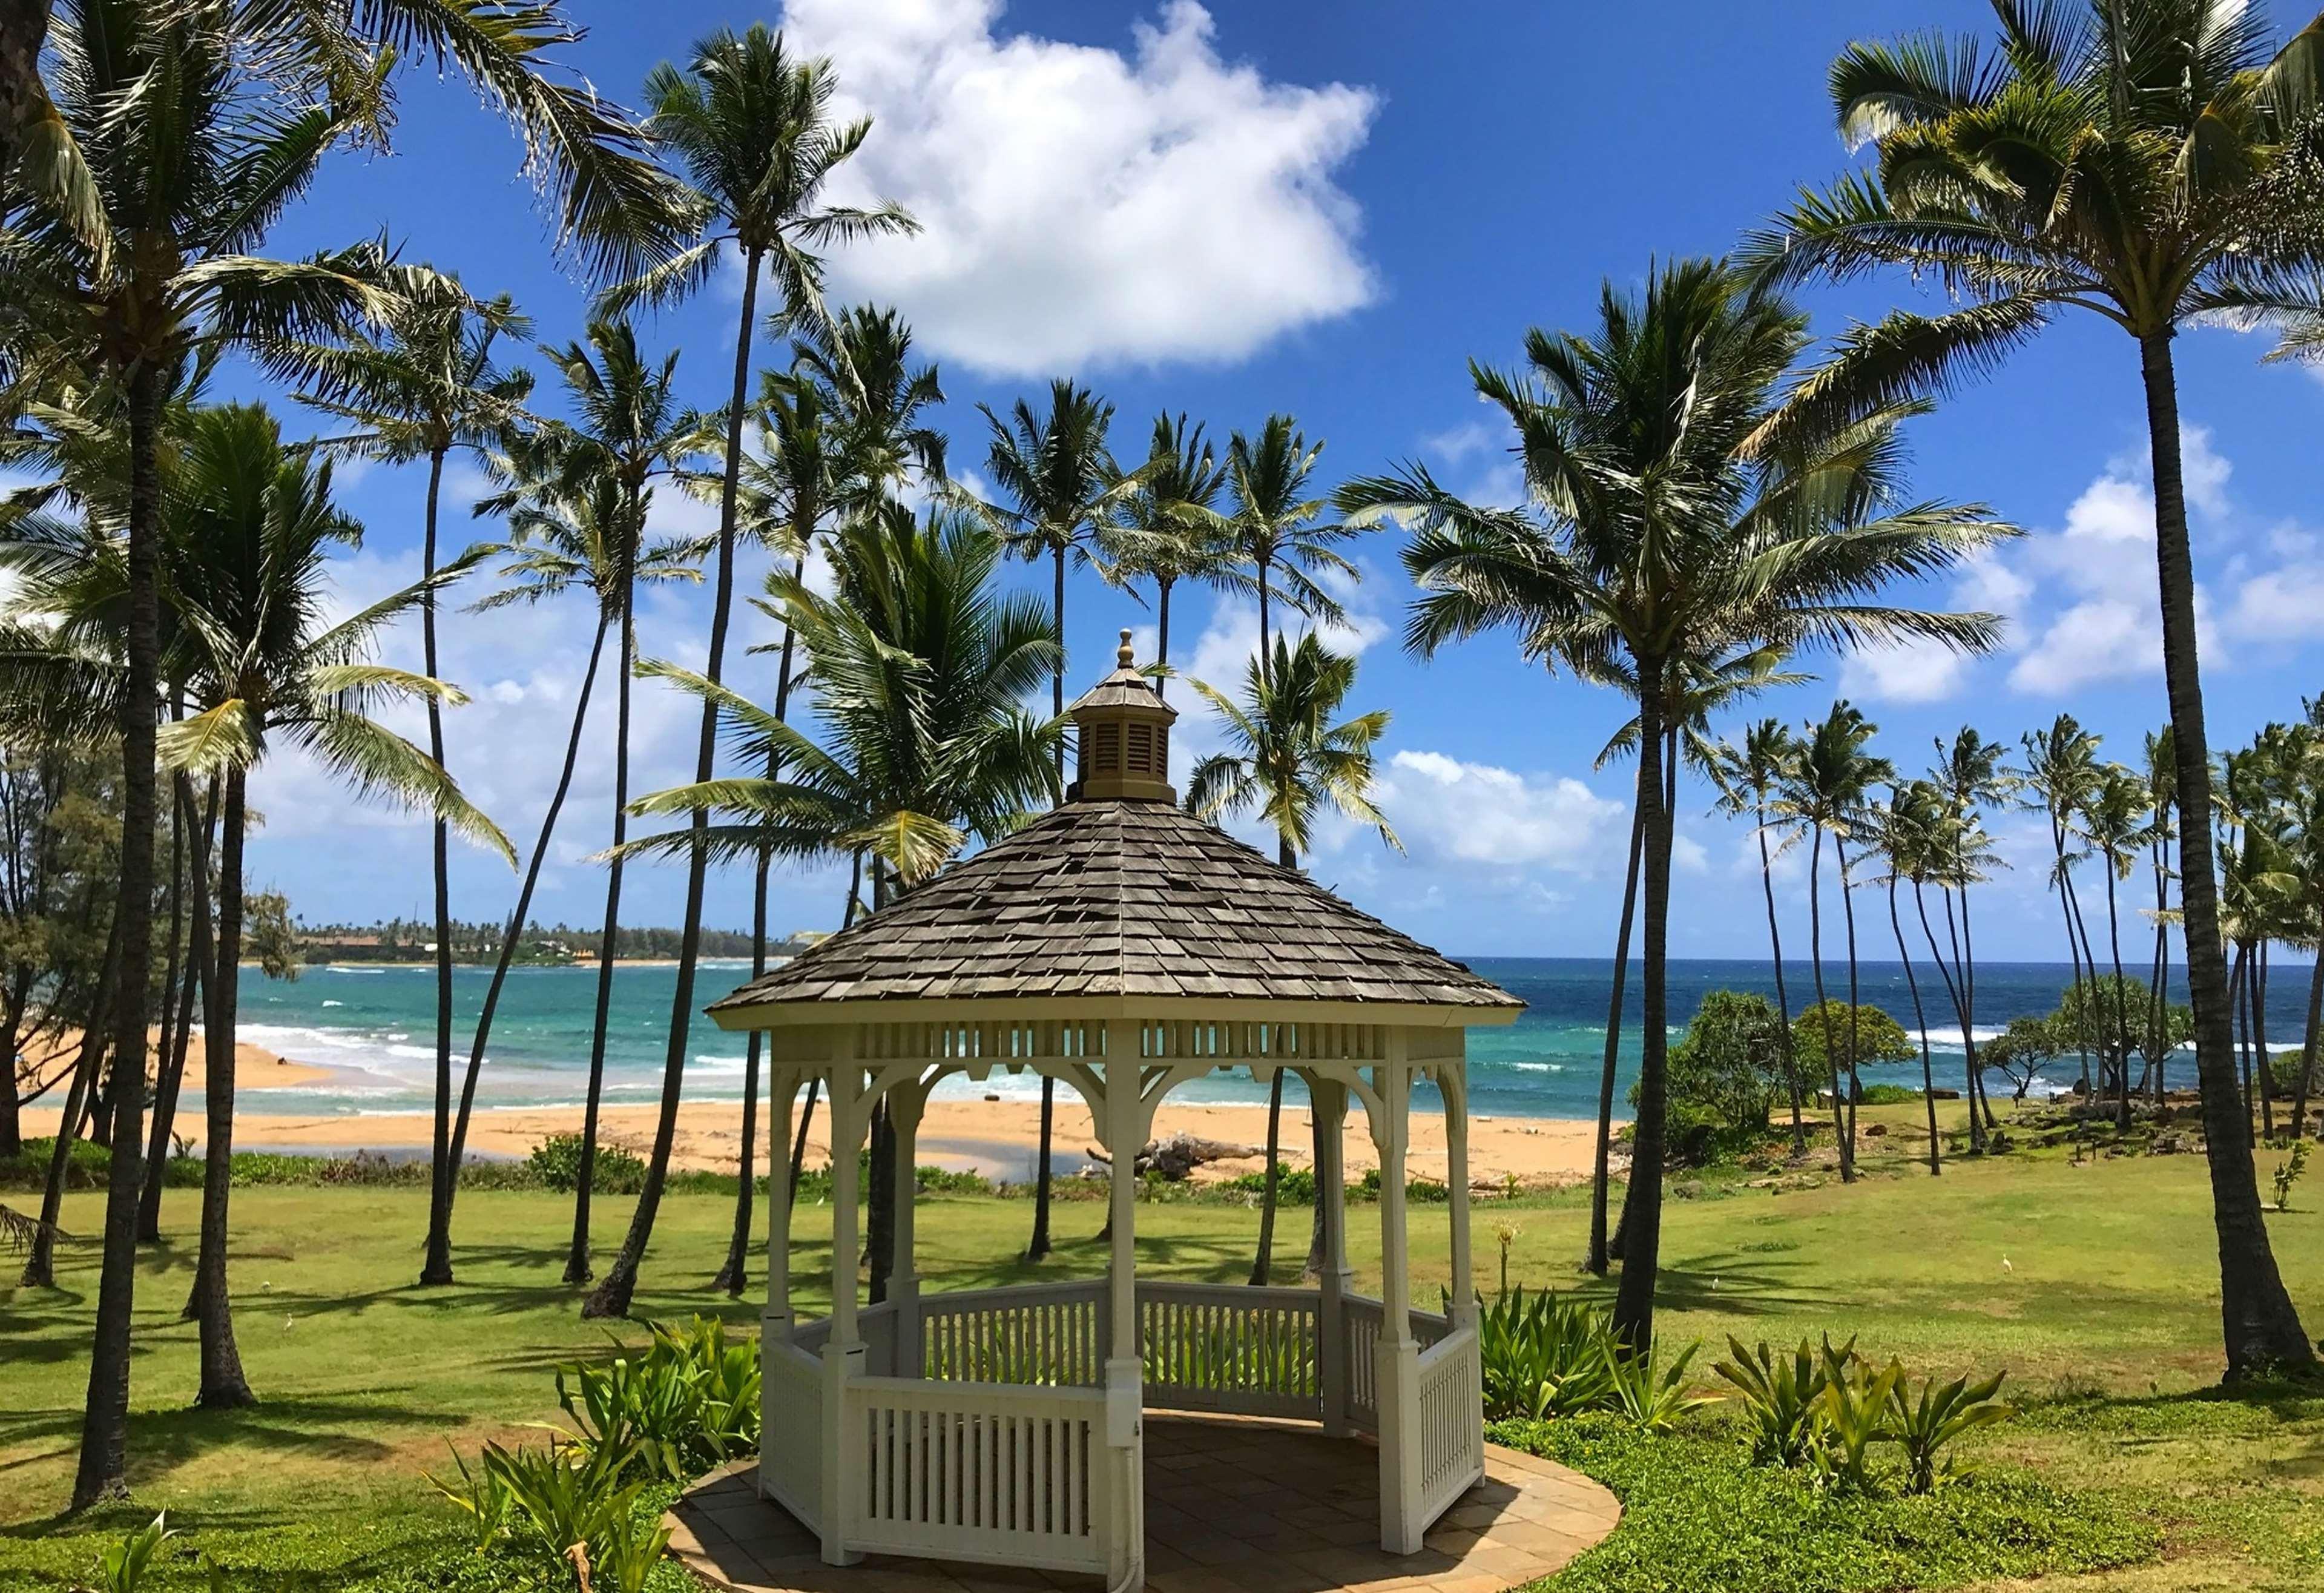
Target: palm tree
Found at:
x=2150, y=161
x=751, y=124
x=1062, y=486
x=1169, y=530
x=1904, y=832
x=2061, y=768
x=1971, y=776
x=1829, y=792
x=1288, y=760
x=2115, y=815
x=422, y=387
x=1272, y=527
x=1750, y=777
x=580, y=494
x=1668, y=521
x=2162, y=784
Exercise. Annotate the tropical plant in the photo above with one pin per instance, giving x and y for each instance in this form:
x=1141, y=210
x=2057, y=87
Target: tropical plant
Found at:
x=1855, y=1414
x=1729, y=1064
x=2116, y=816
x=752, y=125
x=1782, y=1398
x=2060, y=766
x=1542, y=1355
x=122, y=1566
x=1902, y=832
x=1062, y=486
x=1651, y=1390
x=1275, y=527
x=1970, y=777
x=1676, y=511
x=690, y=1403
x=1167, y=530
x=1830, y=792
x=1928, y=1422
x=2151, y=162
x=1750, y=777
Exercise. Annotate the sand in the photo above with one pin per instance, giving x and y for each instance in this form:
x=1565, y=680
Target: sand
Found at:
x=996, y=1137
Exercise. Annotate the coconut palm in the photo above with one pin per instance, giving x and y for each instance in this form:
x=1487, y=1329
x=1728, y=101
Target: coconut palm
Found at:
x=1829, y=794
x=1275, y=528
x=1169, y=530
x=2061, y=769
x=423, y=386
x=2151, y=162
x=1061, y=487
x=751, y=124
x=2116, y=816
x=1664, y=526
x=1971, y=777
x=1750, y=776
x=2161, y=783
x=1903, y=832
x=1287, y=761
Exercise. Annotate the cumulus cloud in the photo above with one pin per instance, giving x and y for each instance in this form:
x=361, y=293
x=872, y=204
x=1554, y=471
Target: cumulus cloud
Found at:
x=1477, y=815
x=1082, y=206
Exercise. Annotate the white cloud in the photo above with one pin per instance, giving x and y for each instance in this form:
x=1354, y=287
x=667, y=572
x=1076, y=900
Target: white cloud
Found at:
x=1082, y=206
x=1476, y=814
x=1915, y=672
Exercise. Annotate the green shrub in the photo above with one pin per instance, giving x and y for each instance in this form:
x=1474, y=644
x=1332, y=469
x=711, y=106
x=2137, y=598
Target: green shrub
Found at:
x=1926, y=1425
x=1887, y=1095
x=556, y=1162
x=689, y=1402
x=1650, y=1392
x=1542, y=1356
x=1824, y=1410
x=1294, y=1186
x=1698, y=1517
x=122, y=1564
x=1782, y=1398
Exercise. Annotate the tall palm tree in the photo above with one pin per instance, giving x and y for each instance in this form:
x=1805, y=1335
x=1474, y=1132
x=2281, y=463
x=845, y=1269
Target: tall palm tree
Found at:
x=1286, y=759
x=2061, y=768
x=1971, y=777
x=752, y=125
x=1905, y=831
x=1830, y=792
x=1169, y=530
x=425, y=385
x=580, y=491
x=1275, y=527
x=1061, y=487
x=1665, y=523
x=1750, y=777
x=2150, y=161
x=2115, y=815
x=2162, y=784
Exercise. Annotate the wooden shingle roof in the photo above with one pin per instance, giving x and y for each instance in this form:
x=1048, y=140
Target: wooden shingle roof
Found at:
x=1116, y=898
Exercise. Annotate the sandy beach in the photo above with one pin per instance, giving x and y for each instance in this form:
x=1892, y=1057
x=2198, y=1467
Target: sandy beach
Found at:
x=996, y=1137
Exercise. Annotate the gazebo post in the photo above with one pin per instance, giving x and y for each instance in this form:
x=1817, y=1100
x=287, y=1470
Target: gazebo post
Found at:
x=1125, y=1388
x=906, y=1102
x=843, y=1351
x=1330, y=1098
x=1452, y=1083
x=1397, y=1357
x=775, y=1316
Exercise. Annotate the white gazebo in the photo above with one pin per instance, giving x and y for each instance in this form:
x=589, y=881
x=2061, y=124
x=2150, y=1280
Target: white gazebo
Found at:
x=1123, y=948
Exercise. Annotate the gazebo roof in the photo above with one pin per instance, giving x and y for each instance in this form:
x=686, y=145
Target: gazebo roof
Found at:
x=1123, y=898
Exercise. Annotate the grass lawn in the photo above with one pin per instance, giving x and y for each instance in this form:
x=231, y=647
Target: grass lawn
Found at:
x=2093, y=1283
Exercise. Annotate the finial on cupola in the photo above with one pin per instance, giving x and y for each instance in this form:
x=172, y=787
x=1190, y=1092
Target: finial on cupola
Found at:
x=1122, y=726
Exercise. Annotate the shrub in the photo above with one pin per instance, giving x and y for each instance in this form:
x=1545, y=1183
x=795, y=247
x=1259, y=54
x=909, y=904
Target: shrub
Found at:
x=1824, y=1411
x=1782, y=1398
x=1542, y=1356
x=1879, y=1038
x=1924, y=1426
x=1649, y=1391
x=555, y=1162
x=121, y=1565
x=689, y=1402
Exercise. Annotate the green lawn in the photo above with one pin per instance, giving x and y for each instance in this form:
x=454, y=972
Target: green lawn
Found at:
x=2105, y=1314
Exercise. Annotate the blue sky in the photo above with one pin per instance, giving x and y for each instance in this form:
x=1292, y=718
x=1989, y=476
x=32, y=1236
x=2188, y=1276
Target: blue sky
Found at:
x=1327, y=210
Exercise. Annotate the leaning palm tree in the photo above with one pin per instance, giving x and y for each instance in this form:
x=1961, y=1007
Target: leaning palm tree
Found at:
x=751, y=124
x=2061, y=768
x=1276, y=527
x=1169, y=530
x=1289, y=762
x=2152, y=162
x=1061, y=486
x=2116, y=816
x=1829, y=794
x=585, y=488
x=1750, y=777
x=425, y=385
x=1664, y=524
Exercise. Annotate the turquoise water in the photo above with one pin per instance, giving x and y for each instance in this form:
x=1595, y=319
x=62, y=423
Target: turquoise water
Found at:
x=373, y=1028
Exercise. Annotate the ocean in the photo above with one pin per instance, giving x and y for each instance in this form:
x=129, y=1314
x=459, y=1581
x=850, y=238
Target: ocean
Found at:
x=371, y=1026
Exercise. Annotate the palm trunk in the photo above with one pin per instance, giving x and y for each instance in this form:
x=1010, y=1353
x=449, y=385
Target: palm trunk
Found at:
x=2308, y=1047
x=578, y=1269
x=2079, y=921
x=169, y=1067
x=2261, y=1329
x=2121, y=1012
x=1823, y=1002
x=2073, y=951
x=16, y=997
x=1920, y=1023
x=807, y=1114
x=1855, y=1042
x=436, y=1264
x=2158, y=1001
x=736, y=1270
x=1952, y=994
x=23, y=25
x=223, y=1385
x=1969, y=999
x=1162, y=643
x=1037, y=1245
x=2237, y=997
x=105, y=1425
x=611, y=1297
x=440, y=1243
x=1633, y=1301
x=39, y=1264
x=1263, y=1265
x=2259, y=1044
x=1783, y=999
x=1599, y=1260
x=165, y=1087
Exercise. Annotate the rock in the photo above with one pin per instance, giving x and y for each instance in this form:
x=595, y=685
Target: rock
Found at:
x=1876, y=1131
x=1177, y=1157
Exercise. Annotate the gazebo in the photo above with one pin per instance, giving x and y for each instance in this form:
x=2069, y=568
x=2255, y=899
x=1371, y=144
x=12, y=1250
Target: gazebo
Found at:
x=1122, y=947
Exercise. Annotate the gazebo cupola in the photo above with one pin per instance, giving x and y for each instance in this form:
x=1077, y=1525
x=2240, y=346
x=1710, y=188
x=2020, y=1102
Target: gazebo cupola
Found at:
x=1122, y=727
x=1122, y=947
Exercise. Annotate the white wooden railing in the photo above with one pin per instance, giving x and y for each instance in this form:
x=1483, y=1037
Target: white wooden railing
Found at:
x=1224, y=1347
x=980, y=1471
x=1360, y=1331
x=1043, y=1333
x=790, y=1454
x=1450, y=1427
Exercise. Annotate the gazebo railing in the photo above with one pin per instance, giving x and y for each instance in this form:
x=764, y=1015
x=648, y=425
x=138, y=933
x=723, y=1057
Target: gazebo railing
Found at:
x=1360, y=1331
x=791, y=1399
x=1452, y=1437
x=1253, y=1351
x=1040, y=1333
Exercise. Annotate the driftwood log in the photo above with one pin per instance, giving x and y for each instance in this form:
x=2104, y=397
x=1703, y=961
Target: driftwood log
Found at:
x=1177, y=1156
